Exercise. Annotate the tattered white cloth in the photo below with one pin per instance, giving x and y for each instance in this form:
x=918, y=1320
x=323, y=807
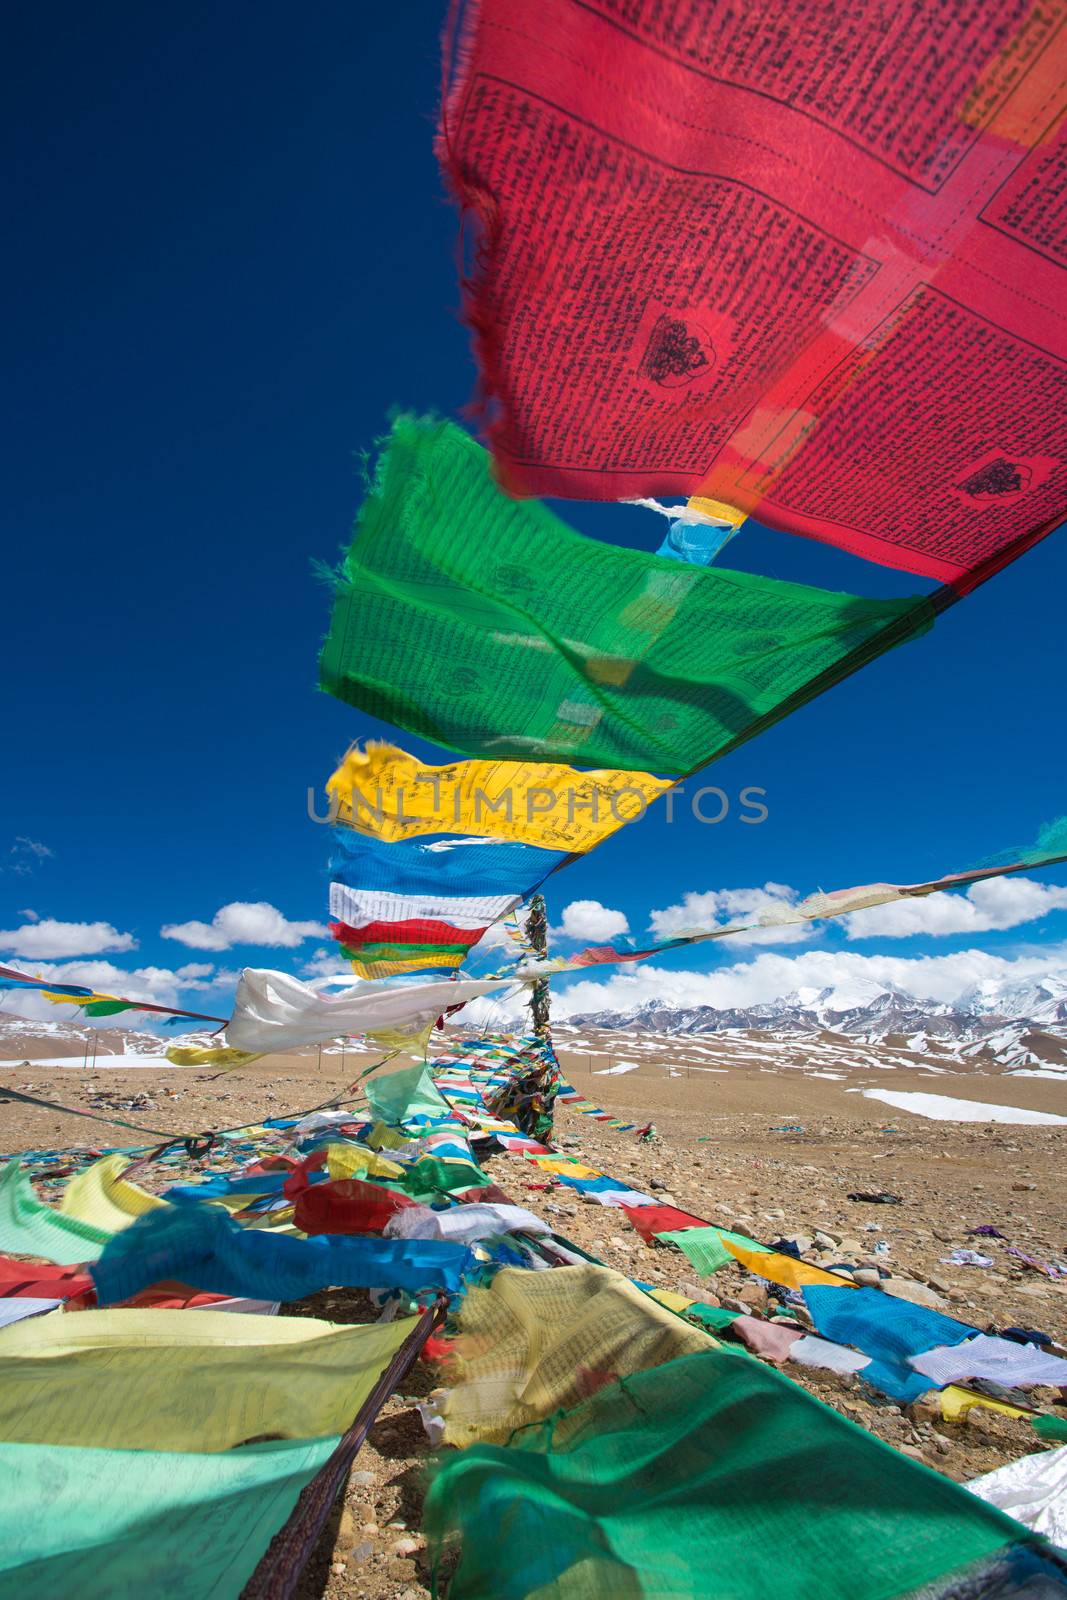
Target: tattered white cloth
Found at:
x=275, y=1011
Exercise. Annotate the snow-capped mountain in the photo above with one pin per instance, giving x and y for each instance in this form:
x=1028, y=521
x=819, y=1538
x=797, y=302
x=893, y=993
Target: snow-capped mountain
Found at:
x=34, y=1039
x=1011, y=1025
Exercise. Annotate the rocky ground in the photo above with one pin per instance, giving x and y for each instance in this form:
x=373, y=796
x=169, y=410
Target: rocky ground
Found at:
x=721, y=1154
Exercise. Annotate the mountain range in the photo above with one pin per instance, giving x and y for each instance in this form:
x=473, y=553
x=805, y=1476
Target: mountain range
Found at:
x=1014, y=1024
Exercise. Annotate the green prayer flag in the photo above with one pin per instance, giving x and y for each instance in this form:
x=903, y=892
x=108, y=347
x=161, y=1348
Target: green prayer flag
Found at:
x=396, y=1092
x=30, y=1228
x=487, y=625
x=714, y=1317
x=708, y=1478
x=1053, y=1428
x=106, y=1523
x=705, y=1249
x=107, y=1008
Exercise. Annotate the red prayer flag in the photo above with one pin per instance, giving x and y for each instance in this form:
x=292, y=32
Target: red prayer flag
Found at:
x=346, y=1205
x=802, y=259
x=650, y=1220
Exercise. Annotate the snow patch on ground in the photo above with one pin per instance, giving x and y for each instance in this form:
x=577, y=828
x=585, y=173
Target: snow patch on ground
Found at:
x=946, y=1108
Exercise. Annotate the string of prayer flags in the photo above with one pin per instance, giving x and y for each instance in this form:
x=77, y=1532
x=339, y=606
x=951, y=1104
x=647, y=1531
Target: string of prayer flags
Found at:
x=451, y=620
x=94, y=1004
x=783, y=259
x=1050, y=849
x=10, y=979
x=386, y=794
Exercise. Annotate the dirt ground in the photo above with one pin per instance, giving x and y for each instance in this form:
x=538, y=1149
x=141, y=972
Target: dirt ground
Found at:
x=724, y=1152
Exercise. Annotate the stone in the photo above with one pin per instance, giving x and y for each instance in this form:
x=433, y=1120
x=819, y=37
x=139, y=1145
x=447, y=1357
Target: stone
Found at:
x=868, y=1276
x=752, y=1294
x=405, y=1547
x=825, y=1241
x=656, y=1183
x=850, y=1247
x=1022, y=1188
x=801, y=1241
x=917, y=1293
x=362, y=1552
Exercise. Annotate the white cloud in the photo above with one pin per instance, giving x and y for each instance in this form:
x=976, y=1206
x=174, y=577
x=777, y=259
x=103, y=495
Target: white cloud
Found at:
x=28, y=915
x=25, y=855
x=770, y=976
x=588, y=919
x=244, y=922
x=714, y=908
x=325, y=963
x=996, y=904
x=46, y=937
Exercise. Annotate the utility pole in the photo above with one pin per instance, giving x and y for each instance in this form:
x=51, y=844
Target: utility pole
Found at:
x=537, y=933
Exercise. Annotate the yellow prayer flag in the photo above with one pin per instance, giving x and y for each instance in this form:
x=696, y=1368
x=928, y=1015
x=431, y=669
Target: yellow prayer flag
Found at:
x=573, y=1169
x=956, y=1402
x=192, y=1055
x=534, y=1342
x=101, y=1196
x=672, y=1301
x=353, y=1161
x=185, y=1380
x=782, y=1269
x=384, y=792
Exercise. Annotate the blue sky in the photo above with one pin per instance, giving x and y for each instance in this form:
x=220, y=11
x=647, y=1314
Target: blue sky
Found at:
x=230, y=256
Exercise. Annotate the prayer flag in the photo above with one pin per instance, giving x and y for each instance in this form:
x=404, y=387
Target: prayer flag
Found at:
x=706, y=1478
x=790, y=257
x=490, y=627
x=135, y=1380
x=537, y=806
